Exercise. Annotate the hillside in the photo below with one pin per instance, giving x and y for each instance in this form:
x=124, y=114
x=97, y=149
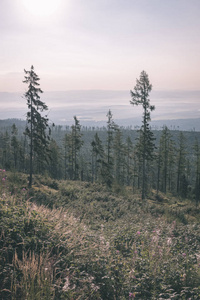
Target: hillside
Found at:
x=78, y=240
x=186, y=124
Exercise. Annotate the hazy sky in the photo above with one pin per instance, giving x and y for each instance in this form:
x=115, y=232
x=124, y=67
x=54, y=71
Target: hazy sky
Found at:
x=100, y=44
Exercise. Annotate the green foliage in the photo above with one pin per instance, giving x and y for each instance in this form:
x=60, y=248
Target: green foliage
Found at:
x=169, y=172
x=91, y=243
x=22, y=230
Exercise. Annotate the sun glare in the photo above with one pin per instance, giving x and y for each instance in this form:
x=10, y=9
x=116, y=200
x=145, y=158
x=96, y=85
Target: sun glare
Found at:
x=42, y=7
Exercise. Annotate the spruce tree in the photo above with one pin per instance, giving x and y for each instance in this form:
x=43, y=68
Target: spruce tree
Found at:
x=66, y=154
x=119, y=158
x=109, y=163
x=37, y=124
x=145, y=145
x=77, y=144
x=181, y=166
x=14, y=145
x=165, y=156
x=97, y=157
x=55, y=160
x=6, y=155
x=73, y=144
x=129, y=160
x=110, y=130
x=197, y=171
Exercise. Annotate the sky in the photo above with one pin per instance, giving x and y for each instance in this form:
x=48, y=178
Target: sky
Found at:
x=101, y=44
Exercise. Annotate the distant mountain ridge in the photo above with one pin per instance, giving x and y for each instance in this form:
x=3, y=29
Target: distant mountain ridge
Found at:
x=179, y=124
x=179, y=109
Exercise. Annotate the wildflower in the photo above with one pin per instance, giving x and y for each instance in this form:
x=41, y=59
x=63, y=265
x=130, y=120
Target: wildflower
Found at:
x=184, y=254
x=3, y=179
x=131, y=295
x=4, y=170
x=155, y=238
x=169, y=241
x=66, y=285
x=138, y=232
x=117, y=251
x=183, y=277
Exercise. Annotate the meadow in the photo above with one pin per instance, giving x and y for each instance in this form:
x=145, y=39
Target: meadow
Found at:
x=80, y=240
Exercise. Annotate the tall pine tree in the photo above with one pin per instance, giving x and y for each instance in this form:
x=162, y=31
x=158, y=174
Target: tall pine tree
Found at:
x=109, y=163
x=37, y=124
x=145, y=145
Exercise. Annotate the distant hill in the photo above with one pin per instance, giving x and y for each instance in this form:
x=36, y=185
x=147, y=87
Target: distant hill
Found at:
x=176, y=124
x=179, y=124
x=176, y=109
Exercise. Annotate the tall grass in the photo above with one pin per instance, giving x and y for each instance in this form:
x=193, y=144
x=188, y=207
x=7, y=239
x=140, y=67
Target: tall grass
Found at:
x=93, y=244
x=35, y=277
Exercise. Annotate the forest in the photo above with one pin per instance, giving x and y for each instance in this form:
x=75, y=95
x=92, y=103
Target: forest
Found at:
x=108, y=155
x=98, y=213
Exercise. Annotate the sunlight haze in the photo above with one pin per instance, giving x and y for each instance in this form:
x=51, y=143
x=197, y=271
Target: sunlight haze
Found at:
x=100, y=44
x=42, y=8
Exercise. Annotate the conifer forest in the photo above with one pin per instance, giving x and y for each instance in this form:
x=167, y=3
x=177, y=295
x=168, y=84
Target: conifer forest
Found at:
x=98, y=212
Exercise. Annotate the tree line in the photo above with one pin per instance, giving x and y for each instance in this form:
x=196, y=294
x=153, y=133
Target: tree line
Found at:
x=143, y=163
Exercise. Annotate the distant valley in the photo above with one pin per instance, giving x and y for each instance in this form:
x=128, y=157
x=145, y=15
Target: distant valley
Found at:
x=176, y=109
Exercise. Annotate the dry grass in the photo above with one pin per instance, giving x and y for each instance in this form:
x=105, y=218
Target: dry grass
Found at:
x=41, y=274
x=36, y=277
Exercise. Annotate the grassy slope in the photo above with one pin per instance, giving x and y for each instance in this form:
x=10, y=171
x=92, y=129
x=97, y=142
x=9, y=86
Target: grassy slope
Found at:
x=75, y=240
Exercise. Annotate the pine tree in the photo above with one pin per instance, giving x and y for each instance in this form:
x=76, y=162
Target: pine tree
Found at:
x=119, y=158
x=66, y=154
x=110, y=130
x=77, y=144
x=98, y=156
x=37, y=126
x=72, y=145
x=166, y=155
x=129, y=160
x=181, y=166
x=14, y=145
x=159, y=163
x=108, y=164
x=54, y=160
x=145, y=145
x=6, y=157
x=197, y=171
x=136, y=170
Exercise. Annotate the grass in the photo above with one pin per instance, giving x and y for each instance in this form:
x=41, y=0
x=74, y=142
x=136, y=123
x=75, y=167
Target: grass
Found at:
x=76, y=240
